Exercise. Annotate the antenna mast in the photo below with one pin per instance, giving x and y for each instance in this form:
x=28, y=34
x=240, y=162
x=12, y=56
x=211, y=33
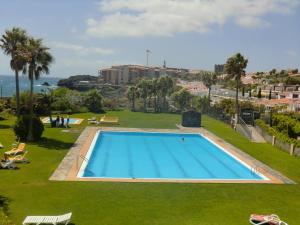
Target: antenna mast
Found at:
x=147, y=55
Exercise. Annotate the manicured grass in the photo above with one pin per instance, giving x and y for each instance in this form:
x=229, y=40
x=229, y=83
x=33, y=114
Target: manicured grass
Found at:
x=30, y=192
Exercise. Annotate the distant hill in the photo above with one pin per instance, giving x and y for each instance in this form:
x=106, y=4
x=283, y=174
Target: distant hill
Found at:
x=73, y=81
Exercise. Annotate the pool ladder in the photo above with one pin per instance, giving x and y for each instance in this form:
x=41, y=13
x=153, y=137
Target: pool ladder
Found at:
x=84, y=159
x=81, y=157
x=257, y=169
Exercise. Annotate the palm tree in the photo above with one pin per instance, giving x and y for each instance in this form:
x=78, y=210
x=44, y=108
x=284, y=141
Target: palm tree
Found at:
x=208, y=80
x=235, y=69
x=38, y=61
x=165, y=89
x=182, y=98
x=132, y=94
x=46, y=98
x=143, y=89
x=10, y=42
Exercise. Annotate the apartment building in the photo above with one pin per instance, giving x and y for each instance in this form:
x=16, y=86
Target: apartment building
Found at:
x=128, y=74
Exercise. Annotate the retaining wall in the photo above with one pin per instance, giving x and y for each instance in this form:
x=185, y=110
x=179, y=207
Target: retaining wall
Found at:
x=287, y=147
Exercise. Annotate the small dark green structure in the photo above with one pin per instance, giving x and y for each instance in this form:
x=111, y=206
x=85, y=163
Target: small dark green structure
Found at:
x=191, y=118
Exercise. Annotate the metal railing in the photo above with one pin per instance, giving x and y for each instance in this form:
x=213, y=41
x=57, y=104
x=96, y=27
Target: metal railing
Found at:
x=257, y=170
x=83, y=158
x=245, y=128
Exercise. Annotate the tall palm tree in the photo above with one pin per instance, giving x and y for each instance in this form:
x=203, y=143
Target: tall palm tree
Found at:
x=165, y=88
x=132, y=94
x=208, y=80
x=155, y=92
x=10, y=42
x=235, y=69
x=143, y=89
x=38, y=61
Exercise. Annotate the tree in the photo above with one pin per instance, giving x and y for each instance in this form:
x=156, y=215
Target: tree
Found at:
x=44, y=101
x=259, y=93
x=208, y=80
x=202, y=104
x=132, y=94
x=243, y=91
x=143, y=89
x=38, y=60
x=94, y=101
x=10, y=42
x=226, y=106
x=155, y=93
x=165, y=86
x=273, y=71
x=235, y=68
x=292, y=81
x=182, y=98
x=270, y=94
x=295, y=71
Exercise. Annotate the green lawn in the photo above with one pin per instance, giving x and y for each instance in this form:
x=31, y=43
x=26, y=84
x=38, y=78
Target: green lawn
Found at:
x=30, y=192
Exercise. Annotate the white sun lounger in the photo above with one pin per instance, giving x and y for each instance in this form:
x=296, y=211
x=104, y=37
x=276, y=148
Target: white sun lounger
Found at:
x=92, y=119
x=7, y=165
x=63, y=219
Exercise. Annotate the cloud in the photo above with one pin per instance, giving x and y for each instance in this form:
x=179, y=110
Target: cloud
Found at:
x=137, y=18
x=80, y=49
x=252, y=22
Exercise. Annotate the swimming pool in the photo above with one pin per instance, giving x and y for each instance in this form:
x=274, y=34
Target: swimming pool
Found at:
x=146, y=155
x=71, y=121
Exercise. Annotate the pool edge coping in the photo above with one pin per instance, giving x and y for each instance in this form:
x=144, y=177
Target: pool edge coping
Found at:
x=72, y=162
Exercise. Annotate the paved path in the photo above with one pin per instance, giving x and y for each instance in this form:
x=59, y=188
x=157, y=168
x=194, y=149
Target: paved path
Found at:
x=256, y=137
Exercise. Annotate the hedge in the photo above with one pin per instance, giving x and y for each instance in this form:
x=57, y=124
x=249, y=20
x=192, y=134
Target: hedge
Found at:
x=280, y=136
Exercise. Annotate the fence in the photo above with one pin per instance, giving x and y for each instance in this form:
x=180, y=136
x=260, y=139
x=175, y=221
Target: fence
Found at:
x=220, y=116
x=245, y=129
x=287, y=147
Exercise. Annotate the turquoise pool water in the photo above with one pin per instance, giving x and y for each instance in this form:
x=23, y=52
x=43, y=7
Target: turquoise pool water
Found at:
x=161, y=156
x=72, y=120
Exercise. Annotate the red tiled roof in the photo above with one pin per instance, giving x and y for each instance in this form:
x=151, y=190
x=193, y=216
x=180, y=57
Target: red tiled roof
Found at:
x=278, y=101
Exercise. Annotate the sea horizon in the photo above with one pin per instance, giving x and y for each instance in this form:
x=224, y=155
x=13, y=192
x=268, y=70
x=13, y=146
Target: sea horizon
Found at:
x=7, y=82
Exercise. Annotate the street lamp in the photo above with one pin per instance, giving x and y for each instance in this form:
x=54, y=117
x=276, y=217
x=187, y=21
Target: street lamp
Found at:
x=147, y=55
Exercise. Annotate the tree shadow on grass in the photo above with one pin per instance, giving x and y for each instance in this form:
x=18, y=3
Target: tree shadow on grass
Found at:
x=53, y=144
x=2, y=126
x=4, y=204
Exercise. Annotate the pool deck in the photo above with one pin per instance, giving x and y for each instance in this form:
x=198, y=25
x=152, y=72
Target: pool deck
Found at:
x=70, y=165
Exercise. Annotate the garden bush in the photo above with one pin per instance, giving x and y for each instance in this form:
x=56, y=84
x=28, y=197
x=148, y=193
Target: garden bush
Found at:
x=21, y=127
x=94, y=101
x=286, y=124
x=279, y=135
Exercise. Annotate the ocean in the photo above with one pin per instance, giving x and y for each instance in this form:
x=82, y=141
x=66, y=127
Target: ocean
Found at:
x=9, y=88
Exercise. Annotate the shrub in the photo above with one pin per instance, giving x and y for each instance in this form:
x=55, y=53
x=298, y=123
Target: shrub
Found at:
x=93, y=101
x=281, y=136
x=202, y=104
x=65, y=100
x=182, y=99
x=21, y=127
x=110, y=104
x=4, y=113
x=83, y=109
x=4, y=220
x=286, y=124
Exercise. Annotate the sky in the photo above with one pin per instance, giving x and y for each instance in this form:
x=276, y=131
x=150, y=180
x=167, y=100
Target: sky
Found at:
x=87, y=35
